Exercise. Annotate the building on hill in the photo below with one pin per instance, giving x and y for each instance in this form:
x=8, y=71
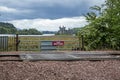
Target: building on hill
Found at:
x=63, y=30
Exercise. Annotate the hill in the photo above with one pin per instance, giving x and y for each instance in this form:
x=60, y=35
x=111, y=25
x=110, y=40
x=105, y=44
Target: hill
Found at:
x=8, y=28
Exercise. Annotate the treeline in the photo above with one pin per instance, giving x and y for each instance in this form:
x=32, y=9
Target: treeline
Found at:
x=48, y=32
x=29, y=32
x=8, y=28
x=103, y=30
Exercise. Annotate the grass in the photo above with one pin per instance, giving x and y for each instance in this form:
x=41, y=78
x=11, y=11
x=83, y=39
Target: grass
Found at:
x=32, y=43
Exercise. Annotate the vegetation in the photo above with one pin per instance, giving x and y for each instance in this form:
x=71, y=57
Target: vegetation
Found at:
x=103, y=30
x=8, y=28
x=29, y=32
x=48, y=32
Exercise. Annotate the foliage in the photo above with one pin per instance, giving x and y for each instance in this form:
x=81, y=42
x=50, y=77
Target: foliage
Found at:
x=48, y=32
x=103, y=31
x=29, y=32
x=8, y=28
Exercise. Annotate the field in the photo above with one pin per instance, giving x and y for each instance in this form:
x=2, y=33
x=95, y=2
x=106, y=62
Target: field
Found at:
x=33, y=43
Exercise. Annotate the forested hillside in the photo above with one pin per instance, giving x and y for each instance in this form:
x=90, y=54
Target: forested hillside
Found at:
x=8, y=28
x=103, y=31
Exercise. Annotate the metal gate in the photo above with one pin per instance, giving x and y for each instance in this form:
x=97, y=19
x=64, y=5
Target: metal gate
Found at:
x=39, y=43
x=7, y=42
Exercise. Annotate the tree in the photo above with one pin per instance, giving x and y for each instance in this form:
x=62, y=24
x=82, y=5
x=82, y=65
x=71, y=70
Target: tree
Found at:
x=29, y=32
x=7, y=28
x=103, y=30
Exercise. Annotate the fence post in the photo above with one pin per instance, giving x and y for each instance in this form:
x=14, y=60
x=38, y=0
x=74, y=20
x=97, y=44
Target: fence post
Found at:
x=17, y=42
x=79, y=43
x=82, y=42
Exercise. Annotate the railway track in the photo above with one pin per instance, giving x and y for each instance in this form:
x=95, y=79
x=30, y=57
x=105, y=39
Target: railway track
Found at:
x=59, y=57
x=10, y=57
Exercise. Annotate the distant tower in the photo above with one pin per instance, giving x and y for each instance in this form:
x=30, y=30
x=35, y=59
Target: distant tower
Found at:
x=62, y=30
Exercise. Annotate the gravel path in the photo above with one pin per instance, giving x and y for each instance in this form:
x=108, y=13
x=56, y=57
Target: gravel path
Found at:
x=60, y=70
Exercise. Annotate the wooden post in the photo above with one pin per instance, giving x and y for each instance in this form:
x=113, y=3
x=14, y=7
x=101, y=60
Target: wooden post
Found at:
x=17, y=42
x=79, y=43
x=82, y=42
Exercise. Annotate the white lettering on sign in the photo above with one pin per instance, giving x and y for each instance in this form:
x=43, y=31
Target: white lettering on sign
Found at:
x=58, y=43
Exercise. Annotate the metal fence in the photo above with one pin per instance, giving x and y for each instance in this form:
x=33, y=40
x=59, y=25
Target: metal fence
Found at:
x=32, y=43
x=7, y=43
x=29, y=45
x=3, y=43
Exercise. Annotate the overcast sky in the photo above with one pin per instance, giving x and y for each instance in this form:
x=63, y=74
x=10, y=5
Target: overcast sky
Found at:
x=46, y=14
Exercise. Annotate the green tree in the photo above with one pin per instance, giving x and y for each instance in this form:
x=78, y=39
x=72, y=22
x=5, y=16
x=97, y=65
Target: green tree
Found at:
x=7, y=28
x=29, y=32
x=103, y=30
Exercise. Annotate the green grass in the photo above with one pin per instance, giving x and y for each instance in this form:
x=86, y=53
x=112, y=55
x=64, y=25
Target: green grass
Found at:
x=33, y=43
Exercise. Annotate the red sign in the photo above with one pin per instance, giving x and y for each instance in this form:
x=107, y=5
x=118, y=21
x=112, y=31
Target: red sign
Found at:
x=58, y=43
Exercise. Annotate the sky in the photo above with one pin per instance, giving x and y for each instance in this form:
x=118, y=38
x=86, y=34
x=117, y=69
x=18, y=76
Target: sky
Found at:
x=46, y=15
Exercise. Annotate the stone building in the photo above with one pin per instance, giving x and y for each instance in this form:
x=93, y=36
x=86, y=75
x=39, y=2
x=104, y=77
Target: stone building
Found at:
x=63, y=30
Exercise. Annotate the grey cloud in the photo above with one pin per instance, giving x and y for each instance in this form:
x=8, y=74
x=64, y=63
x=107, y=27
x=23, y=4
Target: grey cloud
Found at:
x=31, y=9
x=48, y=3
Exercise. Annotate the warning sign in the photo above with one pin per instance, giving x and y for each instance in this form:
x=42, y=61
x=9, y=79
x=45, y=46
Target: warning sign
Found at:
x=58, y=43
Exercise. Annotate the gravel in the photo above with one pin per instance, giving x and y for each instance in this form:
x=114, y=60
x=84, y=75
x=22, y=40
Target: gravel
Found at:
x=60, y=70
